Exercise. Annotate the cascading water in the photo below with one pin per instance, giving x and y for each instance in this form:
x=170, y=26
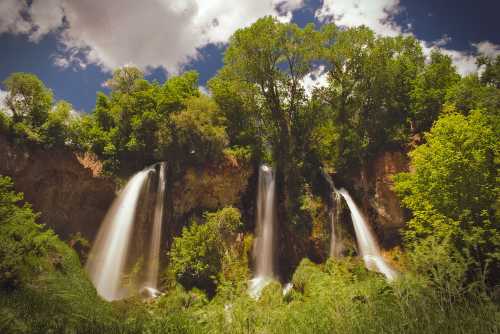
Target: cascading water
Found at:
x=109, y=253
x=336, y=238
x=336, y=246
x=367, y=244
x=154, y=250
x=263, y=248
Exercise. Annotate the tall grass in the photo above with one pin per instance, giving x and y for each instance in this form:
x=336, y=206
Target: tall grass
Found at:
x=343, y=297
x=336, y=297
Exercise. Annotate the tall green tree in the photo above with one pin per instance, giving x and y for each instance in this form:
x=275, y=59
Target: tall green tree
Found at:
x=430, y=87
x=131, y=127
x=491, y=74
x=198, y=130
x=57, y=128
x=28, y=99
x=368, y=94
x=452, y=189
x=265, y=65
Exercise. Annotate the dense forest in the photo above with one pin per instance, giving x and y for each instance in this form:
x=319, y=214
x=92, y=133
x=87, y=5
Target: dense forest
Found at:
x=381, y=94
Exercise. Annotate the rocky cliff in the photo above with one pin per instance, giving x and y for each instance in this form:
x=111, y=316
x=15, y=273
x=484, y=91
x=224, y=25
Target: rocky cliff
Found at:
x=72, y=196
x=210, y=187
x=374, y=187
x=65, y=188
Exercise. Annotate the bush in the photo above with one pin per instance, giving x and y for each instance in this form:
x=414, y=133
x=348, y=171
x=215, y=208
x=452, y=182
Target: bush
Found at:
x=199, y=130
x=242, y=154
x=23, y=245
x=42, y=285
x=56, y=131
x=196, y=256
x=452, y=190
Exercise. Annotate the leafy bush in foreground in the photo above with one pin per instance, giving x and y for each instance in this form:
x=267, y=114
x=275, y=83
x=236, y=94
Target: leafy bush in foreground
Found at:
x=453, y=192
x=42, y=285
x=341, y=296
x=196, y=256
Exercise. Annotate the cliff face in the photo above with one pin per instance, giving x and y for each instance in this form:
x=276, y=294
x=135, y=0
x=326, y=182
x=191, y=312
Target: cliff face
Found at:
x=206, y=188
x=62, y=186
x=72, y=197
x=210, y=188
x=379, y=202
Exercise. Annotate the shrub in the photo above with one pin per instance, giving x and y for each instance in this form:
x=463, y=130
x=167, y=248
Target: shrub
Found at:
x=196, y=256
x=42, y=285
x=452, y=190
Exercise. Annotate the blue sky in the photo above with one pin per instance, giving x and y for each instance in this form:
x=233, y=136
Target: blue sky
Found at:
x=73, y=45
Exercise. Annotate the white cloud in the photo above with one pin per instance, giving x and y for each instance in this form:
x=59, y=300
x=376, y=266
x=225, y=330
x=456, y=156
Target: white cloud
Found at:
x=157, y=33
x=379, y=15
x=445, y=39
x=204, y=90
x=487, y=48
x=61, y=62
x=46, y=16
x=169, y=33
x=3, y=107
x=315, y=79
x=464, y=61
x=10, y=17
x=375, y=14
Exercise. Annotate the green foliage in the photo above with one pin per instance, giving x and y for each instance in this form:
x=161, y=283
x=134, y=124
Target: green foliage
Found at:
x=5, y=122
x=28, y=99
x=341, y=297
x=125, y=80
x=238, y=110
x=32, y=119
x=470, y=94
x=430, y=86
x=42, y=285
x=452, y=190
x=23, y=246
x=196, y=257
x=56, y=130
x=23, y=133
x=142, y=122
x=242, y=154
x=321, y=230
x=199, y=130
x=370, y=80
x=491, y=73
x=81, y=246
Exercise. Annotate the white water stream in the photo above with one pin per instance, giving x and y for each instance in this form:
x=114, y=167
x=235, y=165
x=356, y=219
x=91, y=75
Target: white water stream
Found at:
x=109, y=254
x=367, y=244
x=336, y=238
x=265, y=226
x=154, y=250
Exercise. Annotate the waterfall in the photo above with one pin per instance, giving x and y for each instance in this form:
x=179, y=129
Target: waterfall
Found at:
x=336, y=246
x=265, y=225
x=109, y=253
x=367, y=244
x=335, y=238
x=154, y=250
